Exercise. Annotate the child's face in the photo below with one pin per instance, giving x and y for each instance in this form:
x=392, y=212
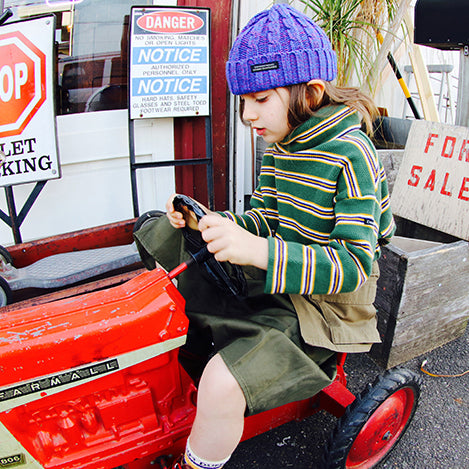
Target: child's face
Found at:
x=267, y=112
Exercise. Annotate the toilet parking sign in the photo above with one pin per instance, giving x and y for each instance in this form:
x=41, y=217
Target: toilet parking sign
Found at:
x=28, y=143
x=169, y=62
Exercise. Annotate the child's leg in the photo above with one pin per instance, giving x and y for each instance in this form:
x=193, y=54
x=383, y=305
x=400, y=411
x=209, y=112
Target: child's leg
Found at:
x=219, y=422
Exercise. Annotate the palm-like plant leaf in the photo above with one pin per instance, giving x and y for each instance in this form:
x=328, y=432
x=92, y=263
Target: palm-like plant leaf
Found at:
x=351, y=26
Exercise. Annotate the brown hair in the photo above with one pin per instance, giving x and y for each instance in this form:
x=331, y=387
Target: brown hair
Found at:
x=305, y=101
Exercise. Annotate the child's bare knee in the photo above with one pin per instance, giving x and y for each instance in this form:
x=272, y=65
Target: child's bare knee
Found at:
x=219, y=387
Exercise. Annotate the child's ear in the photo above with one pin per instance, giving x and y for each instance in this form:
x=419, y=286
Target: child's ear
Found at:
x=316, y=91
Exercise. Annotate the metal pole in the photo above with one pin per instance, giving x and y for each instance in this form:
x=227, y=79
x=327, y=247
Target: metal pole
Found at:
x=5, y=15
x=133, y=172
x=462, y=111
x=401, y=81
x=13, y=216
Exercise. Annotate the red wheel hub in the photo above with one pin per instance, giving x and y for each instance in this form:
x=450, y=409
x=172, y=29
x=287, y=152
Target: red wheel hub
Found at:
x=382, y=430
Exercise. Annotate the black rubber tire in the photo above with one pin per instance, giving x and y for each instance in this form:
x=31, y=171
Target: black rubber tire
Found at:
x=146, y=217
x=6, y=255
x=5, y=292
x=340, y=450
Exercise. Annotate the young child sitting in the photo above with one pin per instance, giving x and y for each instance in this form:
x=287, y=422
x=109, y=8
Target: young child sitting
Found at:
x=309, y=243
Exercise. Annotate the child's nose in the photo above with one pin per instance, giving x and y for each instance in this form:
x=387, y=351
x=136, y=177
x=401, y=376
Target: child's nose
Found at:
x=248, y=114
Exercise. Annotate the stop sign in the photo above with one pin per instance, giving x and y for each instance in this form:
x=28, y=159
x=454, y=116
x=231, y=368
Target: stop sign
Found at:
x=22, y=82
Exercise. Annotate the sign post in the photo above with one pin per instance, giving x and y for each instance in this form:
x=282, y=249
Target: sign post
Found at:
x=28, y=139
x=169, y=76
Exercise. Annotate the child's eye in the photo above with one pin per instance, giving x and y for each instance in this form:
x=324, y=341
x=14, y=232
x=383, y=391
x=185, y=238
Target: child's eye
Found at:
x=261, y=99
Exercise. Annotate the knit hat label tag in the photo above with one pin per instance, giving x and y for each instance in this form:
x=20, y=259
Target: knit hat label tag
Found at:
x=264, y=67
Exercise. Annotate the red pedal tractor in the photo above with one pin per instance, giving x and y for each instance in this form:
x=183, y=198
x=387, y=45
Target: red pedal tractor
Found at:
x=94, y=382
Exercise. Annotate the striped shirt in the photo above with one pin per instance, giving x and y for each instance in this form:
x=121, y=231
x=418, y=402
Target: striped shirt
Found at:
x=322, y=202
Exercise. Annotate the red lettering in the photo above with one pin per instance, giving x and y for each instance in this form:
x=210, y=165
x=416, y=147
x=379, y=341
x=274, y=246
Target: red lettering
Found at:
x=464, y=151
x=443, y=189
x=429, y=142
x=415, y=179
x=444, y=152
x=430, y=184
x=464, y=188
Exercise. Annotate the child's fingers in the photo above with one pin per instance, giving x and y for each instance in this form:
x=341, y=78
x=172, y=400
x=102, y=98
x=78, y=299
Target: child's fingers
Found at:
x=221, y=235
x=176, y=219
x=230, y=242
x=169, y=204
x=212, y=220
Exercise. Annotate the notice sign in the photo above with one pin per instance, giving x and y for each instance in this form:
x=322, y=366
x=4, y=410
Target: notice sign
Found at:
x=169, y=62
x=432, y=186
x=28, y=142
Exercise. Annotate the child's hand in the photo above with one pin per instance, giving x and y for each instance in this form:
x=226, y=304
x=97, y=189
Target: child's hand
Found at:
x=180, y=220
x=230, y=242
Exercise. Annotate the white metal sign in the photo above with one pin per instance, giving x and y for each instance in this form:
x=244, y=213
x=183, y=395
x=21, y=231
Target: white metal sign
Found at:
x=27, y=117
x=169, y=62
x=432, y=186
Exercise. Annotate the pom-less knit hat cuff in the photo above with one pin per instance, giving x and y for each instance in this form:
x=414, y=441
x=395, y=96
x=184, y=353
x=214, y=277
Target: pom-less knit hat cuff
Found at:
x=275, y=70
x=279, y=47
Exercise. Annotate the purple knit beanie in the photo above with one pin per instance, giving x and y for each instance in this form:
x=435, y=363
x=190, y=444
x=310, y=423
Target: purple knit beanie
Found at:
x=279, y=47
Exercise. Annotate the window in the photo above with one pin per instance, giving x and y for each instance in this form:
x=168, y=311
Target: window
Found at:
x=92, y=38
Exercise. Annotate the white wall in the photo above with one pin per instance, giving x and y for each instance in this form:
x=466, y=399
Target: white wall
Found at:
x=95, y=186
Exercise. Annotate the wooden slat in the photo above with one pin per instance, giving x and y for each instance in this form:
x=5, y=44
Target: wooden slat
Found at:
x=422, y=78
x=422, y=300
x=381, y=60
x=436, y=277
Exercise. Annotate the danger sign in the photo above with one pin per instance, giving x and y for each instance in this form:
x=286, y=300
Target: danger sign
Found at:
x=169, y=62
x=432, y=186
x=27, y=117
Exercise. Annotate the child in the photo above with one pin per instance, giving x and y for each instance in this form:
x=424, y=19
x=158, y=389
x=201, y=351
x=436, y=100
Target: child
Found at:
x=318, y=216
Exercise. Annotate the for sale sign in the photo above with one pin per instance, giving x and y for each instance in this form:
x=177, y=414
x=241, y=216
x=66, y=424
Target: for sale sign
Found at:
x=27, y=118
x=169, y=62
x=432, y=186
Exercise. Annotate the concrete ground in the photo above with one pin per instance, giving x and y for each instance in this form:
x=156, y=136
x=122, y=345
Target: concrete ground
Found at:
x=437, y=438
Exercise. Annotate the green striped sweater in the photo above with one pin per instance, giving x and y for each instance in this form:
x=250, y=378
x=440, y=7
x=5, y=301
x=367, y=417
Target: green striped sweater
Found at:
x=322, y=202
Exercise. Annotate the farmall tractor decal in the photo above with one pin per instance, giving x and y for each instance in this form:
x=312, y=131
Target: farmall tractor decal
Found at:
x=22, y=82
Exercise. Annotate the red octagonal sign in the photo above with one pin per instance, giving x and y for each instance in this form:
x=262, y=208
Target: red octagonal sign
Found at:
x=22, y=82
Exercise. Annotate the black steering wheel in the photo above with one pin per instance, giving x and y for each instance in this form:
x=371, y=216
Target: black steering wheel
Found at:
x=226, y=276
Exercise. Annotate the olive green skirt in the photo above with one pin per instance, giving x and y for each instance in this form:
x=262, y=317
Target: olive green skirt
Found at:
x=258, y=336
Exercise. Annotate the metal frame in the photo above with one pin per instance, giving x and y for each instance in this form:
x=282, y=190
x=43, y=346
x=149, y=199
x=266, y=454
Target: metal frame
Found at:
x=462, y=111
x=13, y=220
x=134, y=166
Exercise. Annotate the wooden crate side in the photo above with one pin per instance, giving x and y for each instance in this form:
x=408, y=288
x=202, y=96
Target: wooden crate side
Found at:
x=422, y=300
x=419, y=334
x=391, y=160
x=435, y=276
x=393, y=266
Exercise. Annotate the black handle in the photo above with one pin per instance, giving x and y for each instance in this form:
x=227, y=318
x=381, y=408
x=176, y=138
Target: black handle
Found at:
x=181, y=201
x=5, y=16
